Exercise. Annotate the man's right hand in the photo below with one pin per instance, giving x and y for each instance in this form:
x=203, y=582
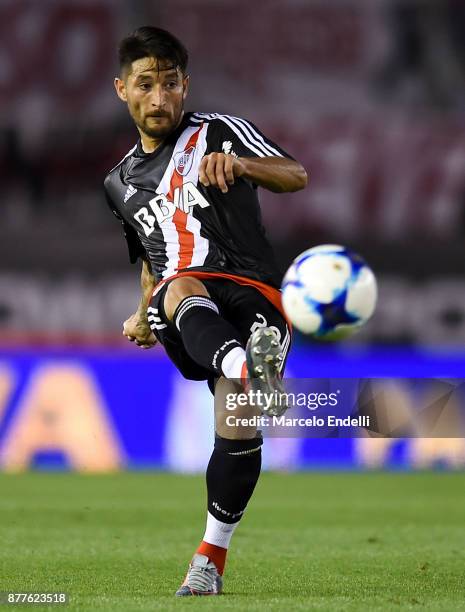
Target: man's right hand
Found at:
x=137, y=329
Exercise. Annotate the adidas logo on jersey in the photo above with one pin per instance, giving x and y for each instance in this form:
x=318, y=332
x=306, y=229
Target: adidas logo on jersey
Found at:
x=129, y=193
x=227, y=148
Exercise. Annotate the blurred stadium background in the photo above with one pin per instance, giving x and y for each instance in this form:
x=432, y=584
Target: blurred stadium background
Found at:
x=367, y=94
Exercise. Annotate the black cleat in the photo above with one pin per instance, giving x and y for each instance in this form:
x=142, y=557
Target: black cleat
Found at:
x=264, y=361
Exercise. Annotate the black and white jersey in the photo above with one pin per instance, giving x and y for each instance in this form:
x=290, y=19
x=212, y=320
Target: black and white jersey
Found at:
x=177, y=223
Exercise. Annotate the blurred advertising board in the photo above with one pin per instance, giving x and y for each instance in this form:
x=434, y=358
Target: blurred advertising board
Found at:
x=101, y=410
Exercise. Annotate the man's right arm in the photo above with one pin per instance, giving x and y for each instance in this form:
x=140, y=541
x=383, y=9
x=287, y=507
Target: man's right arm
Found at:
x=136, y=328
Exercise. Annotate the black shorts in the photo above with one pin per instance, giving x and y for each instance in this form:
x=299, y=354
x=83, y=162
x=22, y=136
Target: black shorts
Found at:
x=242, y=305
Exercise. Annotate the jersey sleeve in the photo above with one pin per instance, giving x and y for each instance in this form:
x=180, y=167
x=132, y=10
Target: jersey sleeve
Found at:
x=135, y=247
x=242, y=138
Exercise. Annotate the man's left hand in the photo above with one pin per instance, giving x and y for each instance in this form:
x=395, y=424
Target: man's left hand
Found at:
x=220, y=170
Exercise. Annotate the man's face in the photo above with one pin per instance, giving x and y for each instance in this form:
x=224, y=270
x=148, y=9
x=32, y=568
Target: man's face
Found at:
x=155, y=93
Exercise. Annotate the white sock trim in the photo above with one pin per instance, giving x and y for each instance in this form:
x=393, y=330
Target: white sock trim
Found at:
x=232, y=363
x=191, y=302
x=218, y=533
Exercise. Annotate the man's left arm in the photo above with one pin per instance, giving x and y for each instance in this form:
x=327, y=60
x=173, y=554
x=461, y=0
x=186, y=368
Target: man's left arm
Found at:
x=278, y=174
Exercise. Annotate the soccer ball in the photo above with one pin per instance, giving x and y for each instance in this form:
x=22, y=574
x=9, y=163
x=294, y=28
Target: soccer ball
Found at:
x=329, y=292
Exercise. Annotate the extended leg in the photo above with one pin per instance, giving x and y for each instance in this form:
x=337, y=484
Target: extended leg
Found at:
x=208, y=338
x=214, y=343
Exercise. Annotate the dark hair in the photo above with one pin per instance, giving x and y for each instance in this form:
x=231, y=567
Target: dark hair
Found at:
x=149, y=41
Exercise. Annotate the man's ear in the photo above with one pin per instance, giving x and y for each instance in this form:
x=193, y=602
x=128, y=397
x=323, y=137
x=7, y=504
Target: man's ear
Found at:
x=120, y=87
x=185, y=85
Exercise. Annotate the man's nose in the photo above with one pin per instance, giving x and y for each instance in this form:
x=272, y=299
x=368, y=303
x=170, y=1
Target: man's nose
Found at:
x=157, y=98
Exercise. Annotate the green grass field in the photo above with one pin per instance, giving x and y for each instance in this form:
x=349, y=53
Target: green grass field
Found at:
x=308, y=541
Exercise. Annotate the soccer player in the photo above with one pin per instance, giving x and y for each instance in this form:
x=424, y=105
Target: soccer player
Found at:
x=186, y=195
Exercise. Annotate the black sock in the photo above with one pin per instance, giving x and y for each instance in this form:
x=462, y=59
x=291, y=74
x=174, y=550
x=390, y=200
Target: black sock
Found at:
x=232, y=474
x=206, y=336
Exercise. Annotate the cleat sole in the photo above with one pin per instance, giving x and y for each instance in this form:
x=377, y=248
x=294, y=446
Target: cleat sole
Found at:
x=264, y=360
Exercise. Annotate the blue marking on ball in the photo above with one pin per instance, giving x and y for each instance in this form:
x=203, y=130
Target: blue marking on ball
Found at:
x=332, y=314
